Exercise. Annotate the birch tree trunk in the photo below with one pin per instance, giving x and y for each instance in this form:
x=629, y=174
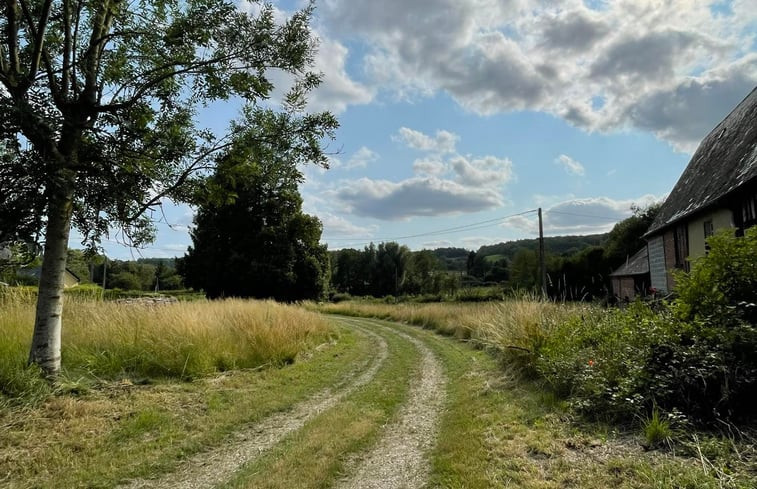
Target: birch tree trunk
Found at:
x=45, y=350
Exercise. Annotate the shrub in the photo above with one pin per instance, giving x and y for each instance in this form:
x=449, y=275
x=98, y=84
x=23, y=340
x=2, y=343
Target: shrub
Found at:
x=721, y=287
x=695, y=356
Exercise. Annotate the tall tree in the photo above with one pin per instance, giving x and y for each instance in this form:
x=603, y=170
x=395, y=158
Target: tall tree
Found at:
x=257, y=242
x=105, y=95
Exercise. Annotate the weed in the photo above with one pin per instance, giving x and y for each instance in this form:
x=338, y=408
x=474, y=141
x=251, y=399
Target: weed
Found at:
x=657, y=431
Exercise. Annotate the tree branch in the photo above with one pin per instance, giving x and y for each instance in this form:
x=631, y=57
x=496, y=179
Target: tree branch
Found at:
x=66, y=46
x=194, y=167
x=11, y=11
x=39, y=36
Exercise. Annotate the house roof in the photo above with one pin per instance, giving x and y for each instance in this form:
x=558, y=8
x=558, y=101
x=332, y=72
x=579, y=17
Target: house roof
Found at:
x=638, y=264
x=725, y=160
x=36, y=271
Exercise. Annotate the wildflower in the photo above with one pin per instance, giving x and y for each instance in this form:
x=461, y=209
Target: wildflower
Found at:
x=591, y=363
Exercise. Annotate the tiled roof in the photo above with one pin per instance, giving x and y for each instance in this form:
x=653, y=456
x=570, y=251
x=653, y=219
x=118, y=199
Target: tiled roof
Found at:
x=638, y=264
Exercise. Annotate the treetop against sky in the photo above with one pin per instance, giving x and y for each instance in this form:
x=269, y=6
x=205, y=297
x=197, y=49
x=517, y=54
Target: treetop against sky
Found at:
x=455, y=112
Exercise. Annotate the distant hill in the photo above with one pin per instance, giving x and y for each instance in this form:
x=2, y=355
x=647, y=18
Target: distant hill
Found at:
x=455, y=259
x=557, y=245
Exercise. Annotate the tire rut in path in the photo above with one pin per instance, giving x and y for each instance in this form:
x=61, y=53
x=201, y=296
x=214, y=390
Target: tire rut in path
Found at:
x=399, y=460
x=211, y=468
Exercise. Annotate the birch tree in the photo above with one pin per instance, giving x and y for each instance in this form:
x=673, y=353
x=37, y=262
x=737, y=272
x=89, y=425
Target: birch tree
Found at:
x=102, y=98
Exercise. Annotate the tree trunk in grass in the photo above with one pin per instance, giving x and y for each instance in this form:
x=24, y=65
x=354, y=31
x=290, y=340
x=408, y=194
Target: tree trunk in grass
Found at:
x=45, y=350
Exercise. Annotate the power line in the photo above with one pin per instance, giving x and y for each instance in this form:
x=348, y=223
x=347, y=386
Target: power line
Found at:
x=467, y=227
x=604, y=218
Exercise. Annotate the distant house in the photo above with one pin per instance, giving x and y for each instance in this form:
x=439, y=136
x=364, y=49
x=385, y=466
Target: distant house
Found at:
x=632, y=278
x=70, y=279
x=717, y=190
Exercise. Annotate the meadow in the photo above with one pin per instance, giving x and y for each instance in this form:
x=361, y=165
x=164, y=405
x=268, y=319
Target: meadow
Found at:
x=107, y=340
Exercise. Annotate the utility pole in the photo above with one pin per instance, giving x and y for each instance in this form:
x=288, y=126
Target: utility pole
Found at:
x=105, y=271
x=542, y=263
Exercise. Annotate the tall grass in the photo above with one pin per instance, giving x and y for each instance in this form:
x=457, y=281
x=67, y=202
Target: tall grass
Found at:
x=454, y=319
x=516, y=327
x=184, y=340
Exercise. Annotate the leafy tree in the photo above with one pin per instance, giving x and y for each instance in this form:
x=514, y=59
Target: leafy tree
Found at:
x=422, y=270
x=389, y=273
x=347, y=274
x=257, y=242
x=524, y=270
x=625, y=238
x=105, y=96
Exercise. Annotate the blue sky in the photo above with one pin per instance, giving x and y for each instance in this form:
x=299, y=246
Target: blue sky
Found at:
x=457, y=112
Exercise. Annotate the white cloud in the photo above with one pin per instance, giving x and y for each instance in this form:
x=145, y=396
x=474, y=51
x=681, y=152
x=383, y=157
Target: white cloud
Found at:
x=571, y=166
x=486, y=171
x=444, y=141
x=581, y=216
x=338, y=227
x=337, y=91
x=656, y=66
x=417, y=196
x=430, y=167
x=362, y=158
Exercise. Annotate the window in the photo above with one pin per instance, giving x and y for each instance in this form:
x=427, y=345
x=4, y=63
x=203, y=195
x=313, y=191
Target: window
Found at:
x=709, y=230
x=749, y=211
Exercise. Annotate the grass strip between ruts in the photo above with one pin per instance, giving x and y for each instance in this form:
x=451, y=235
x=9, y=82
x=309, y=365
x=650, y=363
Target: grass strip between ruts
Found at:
x=315, y=456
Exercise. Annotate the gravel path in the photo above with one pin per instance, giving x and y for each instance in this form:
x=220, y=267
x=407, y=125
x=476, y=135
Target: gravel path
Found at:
x=212, y=468
x=399, y=460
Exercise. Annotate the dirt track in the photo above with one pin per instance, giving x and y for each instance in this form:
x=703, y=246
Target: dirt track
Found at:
x=209, y=469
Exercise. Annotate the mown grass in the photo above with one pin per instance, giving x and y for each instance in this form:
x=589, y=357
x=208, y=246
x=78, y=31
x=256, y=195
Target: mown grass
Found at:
x=108, y=340
x=315, y=456
x=121, y=431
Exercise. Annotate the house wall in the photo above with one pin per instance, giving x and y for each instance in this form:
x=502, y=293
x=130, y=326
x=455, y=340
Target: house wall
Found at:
x=669, y=244
x=657, y=268
x=721, y=218
x=623, y=287
x=69, y=280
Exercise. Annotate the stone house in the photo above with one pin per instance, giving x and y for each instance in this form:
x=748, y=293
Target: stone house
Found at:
x=718, y=189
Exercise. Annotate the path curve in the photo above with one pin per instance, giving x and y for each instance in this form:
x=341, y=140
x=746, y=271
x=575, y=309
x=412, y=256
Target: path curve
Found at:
x=400, y=459
x=211, y=468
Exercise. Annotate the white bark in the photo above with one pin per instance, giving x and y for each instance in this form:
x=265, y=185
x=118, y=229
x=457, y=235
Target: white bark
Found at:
x=45, y=350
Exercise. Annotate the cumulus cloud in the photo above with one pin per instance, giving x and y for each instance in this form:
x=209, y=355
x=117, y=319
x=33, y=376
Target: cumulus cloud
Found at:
x=362, y=158
x=430, y=167
x=656, y=66
x=487, y=171
x=338, y=227
x=337, y=91
x=571, y=166
x=417, y=196
x=444, y=182
x=581, y=216
x=443, y=142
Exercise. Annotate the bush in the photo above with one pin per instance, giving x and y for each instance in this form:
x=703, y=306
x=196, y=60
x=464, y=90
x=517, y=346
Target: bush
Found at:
x=695, y=356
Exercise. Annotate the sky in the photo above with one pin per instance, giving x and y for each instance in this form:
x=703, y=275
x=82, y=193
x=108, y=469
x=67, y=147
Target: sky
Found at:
x=458, y=118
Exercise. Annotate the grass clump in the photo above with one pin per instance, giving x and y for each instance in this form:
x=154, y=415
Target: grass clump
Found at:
x=657, y=431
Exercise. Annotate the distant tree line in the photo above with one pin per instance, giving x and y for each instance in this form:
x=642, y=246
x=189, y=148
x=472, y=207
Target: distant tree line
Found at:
x=578, y=267
x=390, y=269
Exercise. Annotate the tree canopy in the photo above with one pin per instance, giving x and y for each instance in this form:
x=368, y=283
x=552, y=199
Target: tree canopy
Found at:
x=256, y=241
x=105, y=97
